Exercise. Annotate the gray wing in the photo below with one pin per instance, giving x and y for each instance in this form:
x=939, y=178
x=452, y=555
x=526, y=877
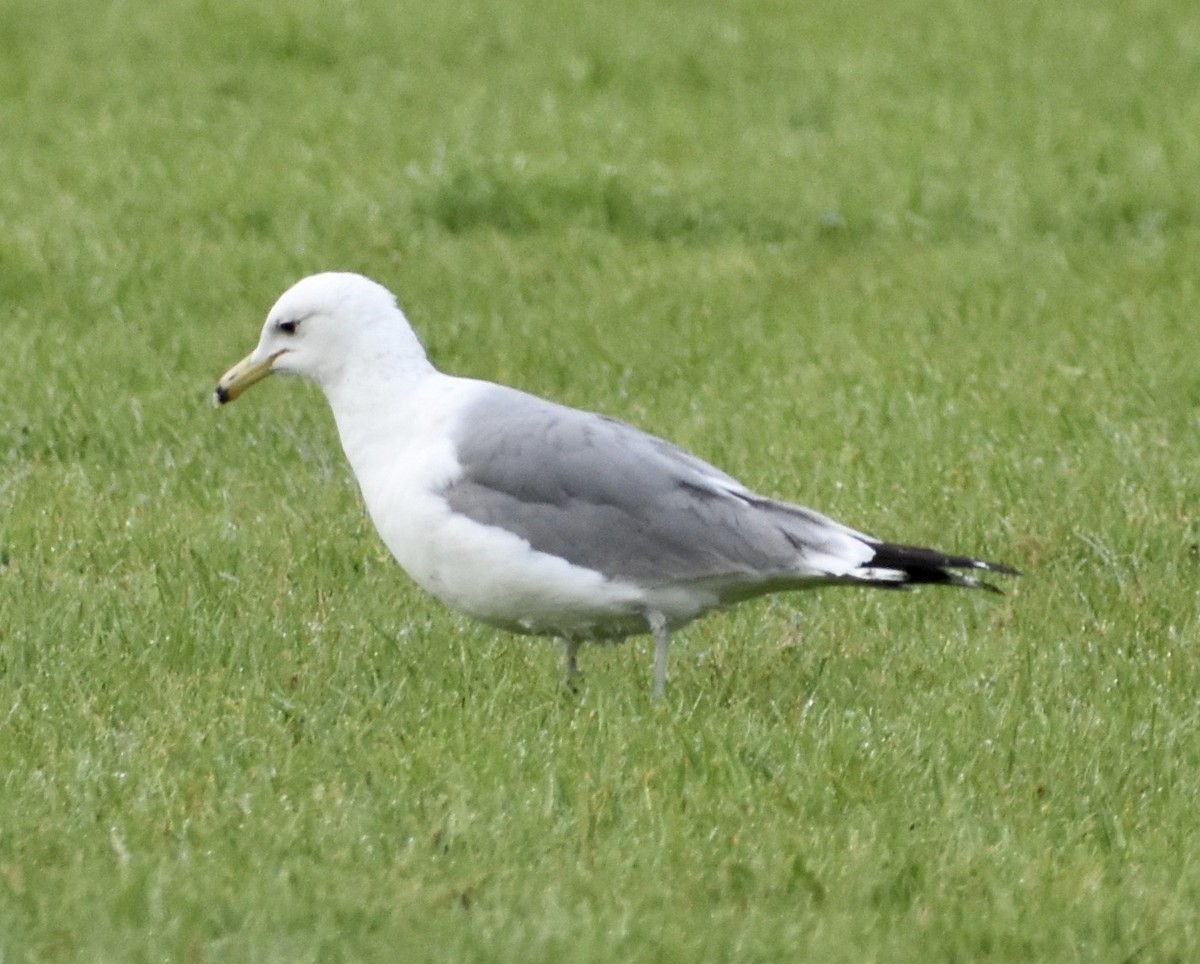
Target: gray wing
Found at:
x=605, y=495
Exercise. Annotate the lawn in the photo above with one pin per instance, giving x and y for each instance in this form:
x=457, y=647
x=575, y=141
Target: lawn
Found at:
x=928, y=267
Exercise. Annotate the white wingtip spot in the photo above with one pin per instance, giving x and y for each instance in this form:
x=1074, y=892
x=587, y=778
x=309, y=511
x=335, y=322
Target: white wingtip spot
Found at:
x=873, y=574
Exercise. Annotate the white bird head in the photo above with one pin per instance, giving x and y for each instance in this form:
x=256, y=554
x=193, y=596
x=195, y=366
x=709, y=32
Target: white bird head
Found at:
x=328, y=327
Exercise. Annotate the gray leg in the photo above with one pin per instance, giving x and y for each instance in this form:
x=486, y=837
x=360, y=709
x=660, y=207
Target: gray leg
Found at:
x=572, y=664
x=662, y=640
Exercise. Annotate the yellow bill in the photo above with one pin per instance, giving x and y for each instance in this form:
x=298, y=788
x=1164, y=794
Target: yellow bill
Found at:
x=241, y=376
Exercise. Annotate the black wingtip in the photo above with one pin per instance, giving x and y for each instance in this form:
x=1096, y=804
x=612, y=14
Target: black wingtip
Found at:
x=921, y=566
x=997, y=567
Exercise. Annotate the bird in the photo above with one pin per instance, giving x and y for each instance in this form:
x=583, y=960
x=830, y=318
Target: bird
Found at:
x=548, y=520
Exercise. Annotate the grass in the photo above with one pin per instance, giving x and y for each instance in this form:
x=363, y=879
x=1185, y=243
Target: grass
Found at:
x=930, y=267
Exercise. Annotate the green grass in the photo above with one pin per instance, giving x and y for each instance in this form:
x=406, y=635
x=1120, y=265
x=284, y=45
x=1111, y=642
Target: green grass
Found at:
x=931, y=267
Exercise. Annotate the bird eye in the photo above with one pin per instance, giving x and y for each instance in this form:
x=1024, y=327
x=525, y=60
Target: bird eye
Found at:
x=288, y=327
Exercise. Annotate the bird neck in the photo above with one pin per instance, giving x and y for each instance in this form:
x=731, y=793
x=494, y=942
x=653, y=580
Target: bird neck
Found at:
x=367, y=384
x=379, y=422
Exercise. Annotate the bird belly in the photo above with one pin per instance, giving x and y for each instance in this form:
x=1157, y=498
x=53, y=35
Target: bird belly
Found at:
x=498, y=578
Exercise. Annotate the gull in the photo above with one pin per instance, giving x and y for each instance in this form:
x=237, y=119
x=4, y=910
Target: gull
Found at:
x=543, y=519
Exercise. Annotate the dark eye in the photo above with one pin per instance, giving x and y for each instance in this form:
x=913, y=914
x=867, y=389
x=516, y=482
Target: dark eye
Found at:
x=288, y=327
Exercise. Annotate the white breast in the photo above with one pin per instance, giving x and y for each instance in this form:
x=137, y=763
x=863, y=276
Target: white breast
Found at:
x=403, y=458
